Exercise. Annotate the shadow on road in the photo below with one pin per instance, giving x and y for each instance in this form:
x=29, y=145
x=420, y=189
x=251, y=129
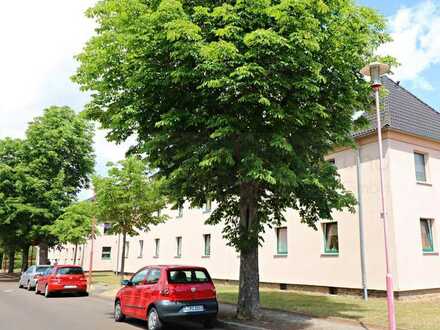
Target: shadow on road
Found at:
x=143, y=324
x=7, y=278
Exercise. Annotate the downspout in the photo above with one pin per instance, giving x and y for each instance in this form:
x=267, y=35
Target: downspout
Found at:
x=117, y=258
x=361, y=224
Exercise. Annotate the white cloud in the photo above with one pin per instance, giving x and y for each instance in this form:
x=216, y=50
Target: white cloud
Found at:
x=38, y=40
x=415, y=44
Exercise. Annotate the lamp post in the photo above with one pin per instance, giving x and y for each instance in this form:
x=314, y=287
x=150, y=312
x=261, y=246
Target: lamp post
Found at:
x=375, y=71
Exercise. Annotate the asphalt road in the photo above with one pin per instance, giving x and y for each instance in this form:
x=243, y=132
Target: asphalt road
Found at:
x=23, y=310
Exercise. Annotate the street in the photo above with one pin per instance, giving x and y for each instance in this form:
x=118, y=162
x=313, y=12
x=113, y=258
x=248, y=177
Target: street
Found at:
x=22, y=310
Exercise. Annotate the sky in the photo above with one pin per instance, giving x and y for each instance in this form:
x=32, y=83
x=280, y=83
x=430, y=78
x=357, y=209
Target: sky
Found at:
x=38, y=40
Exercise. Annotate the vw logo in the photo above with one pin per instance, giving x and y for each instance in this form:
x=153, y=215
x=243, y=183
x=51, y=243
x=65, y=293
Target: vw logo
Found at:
x=193, y=290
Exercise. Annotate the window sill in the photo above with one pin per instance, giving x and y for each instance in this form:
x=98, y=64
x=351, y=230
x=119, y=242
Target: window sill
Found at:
x=330, y=254
x=430, y=253
x=206, y=257
x=206, y=211
x=280, y=255
x=156, y=257
x=177, y=257
x=422, y=183
x=140, y=257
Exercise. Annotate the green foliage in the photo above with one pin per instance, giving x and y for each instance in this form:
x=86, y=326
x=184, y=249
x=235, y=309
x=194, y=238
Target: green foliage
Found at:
x=228, y=94
x=41, y=175
x=75, y=224
x=128, y=198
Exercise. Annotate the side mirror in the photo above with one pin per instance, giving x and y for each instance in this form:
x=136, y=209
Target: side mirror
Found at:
x=126, y=283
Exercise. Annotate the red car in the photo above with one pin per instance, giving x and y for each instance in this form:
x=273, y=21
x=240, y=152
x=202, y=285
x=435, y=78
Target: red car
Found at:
x=162, y=294
x=62, y=279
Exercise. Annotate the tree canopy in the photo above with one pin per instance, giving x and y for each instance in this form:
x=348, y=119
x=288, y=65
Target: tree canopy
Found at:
x=42, y=174
x=235, y=101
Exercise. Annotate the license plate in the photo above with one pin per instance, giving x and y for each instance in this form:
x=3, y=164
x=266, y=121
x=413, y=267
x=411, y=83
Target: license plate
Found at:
x=70, y=287
x=189, y=309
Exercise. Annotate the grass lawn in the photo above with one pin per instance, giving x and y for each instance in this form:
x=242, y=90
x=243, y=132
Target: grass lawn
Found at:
x=420, y=314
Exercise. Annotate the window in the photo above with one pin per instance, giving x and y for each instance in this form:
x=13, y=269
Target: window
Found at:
x=188, y=276
x=331, y=243
x=207, y=245
x=70, y=271
x=153, y=276
x=141, y=248
x=156, y=247
x=426, y=228
x=140, y=277
x=281, y=240
x=127, y=249
x=106, y=253
x=180, y=212
x=207, y=206
x=107, y=227
x=178, y=246
x=420, y=165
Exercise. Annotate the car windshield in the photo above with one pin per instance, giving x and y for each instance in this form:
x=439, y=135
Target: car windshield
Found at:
x=42, y=270
x=70, y=271
x=188, y=276
x=46, y=271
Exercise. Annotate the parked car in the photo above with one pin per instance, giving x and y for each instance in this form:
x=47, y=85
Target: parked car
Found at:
x=29, y=278
x=62, y=279
x=162, y=294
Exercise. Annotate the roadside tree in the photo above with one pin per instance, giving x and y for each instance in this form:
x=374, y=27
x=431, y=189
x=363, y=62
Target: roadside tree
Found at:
x=74, y=225
x=129, y=199
x=237, y=102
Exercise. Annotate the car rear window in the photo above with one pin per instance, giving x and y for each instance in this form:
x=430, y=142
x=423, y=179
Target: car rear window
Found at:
x=188, y=276
x=70, y=271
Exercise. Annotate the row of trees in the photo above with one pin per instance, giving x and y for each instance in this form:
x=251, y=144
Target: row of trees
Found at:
x=40, y=176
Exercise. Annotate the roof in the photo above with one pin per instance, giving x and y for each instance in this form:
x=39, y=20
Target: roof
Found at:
x=404, y=112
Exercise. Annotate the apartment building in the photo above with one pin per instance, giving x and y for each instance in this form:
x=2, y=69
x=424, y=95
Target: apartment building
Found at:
x=295, y=255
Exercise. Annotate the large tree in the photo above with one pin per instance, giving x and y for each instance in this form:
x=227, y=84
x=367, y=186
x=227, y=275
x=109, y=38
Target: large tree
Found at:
x=74, y=225
x=129, y=199
x=237, y=101
x=58, y=153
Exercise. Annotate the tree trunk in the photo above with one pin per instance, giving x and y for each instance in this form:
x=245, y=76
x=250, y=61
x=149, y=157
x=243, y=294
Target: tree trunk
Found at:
x=25, y=258
x=248, y=306
x=75, y=254
x=43, y=254
x=11, y=258
x=1, y=259
x=124, y=239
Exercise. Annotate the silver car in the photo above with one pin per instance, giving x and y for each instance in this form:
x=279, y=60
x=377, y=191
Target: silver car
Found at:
x=29, y=278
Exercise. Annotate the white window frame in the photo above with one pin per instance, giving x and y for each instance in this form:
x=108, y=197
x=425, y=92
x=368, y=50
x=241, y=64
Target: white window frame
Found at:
x=141, y=248
x=179, y=247
x=206, y=248
x=277, y=233
x=156, y=247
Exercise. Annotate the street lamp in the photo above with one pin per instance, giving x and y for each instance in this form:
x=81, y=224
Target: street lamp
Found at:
x=375, y=71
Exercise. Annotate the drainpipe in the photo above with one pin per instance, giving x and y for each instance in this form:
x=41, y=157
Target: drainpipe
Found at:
x=117, y=258
x=361, y=224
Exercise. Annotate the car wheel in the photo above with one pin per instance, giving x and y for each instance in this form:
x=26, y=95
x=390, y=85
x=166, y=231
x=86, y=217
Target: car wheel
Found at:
x=209, y=324
x=36, y=289
x=20, y=285
x=154, y=322
x=46, y=291
x=119, y=316
x=29, y=287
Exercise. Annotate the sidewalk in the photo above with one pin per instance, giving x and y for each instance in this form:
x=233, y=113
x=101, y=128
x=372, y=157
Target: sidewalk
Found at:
x=270, y=319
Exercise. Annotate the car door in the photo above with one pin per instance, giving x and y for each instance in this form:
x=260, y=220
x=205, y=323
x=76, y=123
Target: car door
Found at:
x=27, y=275
x=147, y=292
x=130, y=295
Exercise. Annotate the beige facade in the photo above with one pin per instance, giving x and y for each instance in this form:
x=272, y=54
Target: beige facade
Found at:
x=306, y=261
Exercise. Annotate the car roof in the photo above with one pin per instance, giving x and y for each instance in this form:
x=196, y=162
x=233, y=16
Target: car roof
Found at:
x=65, y=266
x=174, y=267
